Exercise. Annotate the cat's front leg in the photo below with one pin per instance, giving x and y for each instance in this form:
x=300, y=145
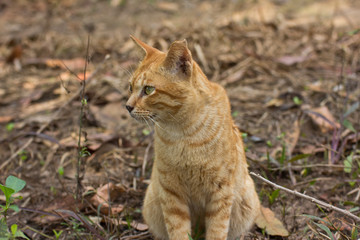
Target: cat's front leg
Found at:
x=176, y=213
x=217, y=215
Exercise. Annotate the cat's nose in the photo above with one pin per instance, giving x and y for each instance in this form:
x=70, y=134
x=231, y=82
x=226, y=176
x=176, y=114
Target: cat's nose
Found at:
x=129, y=108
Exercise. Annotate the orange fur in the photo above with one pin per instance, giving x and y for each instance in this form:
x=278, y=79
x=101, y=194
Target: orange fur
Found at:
x=200, y=176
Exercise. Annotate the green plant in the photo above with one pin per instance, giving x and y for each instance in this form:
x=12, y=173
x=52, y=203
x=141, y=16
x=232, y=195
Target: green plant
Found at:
x=57, y=234
x=12, y=185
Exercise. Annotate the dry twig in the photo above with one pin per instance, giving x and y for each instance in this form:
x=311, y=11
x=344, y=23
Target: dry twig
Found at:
x=314, y=200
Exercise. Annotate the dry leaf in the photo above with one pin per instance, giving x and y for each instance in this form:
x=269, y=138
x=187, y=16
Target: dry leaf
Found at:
x=325, y=125
x=5, y=119
x=292, y=136
x=291, y=60
x=311, y=149
x=267, y=220
x=107, y=193
x=168, y=6
x=339, y=221
x=138, y=226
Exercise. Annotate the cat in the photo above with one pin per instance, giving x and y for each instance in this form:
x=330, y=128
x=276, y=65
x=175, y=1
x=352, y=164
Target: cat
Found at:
x=200, y=181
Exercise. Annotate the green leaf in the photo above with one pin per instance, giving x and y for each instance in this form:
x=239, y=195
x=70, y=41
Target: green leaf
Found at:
x=61, y=171
x=14, y=228
x=351, y=109
x=4, y=234
x=283, y=155
x=347, y=167
x=269, y=143
x=15, y=208
x=274, y=195
x=146, y=132
x=21, y=234
x=326, y=229
x=235, y=113
x=15, y=183
x=298, y=157
x=10, y=126
x=7, y=191
x=348, y=163
x=316, y=218
x=349, y=126
x=354, y=233
x=190, y=238
x=297, y=100
x=355, y=209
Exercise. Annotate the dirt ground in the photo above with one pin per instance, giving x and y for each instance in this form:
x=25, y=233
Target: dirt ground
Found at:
x=291, y=69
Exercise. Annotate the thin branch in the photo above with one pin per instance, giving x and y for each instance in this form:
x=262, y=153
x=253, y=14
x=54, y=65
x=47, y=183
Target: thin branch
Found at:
x=83, y=103
x=314, y=200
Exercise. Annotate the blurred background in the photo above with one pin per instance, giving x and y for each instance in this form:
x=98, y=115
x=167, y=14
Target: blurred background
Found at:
x=291, y=70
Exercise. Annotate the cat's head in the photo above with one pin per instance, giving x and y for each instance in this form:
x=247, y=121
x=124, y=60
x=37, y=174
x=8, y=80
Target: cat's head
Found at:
x=160, y=87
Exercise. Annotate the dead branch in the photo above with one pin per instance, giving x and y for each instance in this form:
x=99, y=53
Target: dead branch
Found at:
x=314, y=200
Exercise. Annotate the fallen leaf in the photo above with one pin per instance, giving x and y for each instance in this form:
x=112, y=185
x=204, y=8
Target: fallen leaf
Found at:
x=5, y=119
x=138, y=226
x=267, y=220
x=339, y=221
x=291, y=60
x=168, y=6
x=323, y=118
x=311, y=149
x=292, y=136
x=104, y=195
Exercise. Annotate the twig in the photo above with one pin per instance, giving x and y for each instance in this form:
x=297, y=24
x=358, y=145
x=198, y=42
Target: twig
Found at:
x=314, y=200
x=55, y=115
x=83, y=104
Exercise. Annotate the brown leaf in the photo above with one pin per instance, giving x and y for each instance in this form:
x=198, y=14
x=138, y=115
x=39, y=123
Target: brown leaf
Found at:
x=5, y=119
x=138, y=226
x=291, y=60
x=292, y=136
x=339, y=221
x=326, y=124
x=107, y=193
x=168, y=6
x=267, y=220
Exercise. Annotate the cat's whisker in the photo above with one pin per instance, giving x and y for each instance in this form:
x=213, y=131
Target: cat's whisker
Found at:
x=174, y=118
x=147, y=123
x=126, y=71
x=157, y=124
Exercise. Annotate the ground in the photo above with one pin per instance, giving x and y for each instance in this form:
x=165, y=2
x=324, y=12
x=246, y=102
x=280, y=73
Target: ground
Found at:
x=291, y=70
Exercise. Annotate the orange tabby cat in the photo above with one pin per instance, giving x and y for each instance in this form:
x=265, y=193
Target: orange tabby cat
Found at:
x=199, y=178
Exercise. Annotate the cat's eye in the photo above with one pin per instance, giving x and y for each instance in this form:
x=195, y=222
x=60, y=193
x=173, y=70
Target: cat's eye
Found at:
x=148, y=90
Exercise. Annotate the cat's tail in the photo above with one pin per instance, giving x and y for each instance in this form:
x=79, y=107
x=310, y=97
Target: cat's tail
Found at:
x=268, y=221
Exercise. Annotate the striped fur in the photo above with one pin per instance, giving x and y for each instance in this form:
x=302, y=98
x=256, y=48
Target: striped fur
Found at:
x=199, y=178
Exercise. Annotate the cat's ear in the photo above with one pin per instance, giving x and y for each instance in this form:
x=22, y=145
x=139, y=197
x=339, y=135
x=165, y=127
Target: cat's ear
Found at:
x=178, y=59
x=144, y=49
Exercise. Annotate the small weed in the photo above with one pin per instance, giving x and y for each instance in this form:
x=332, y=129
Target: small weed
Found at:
x=146, y=132
x=57, y=234
x=61, y=171
x=23, y=155
x=274, y=194
x=297, y=100
x=10, y=127
x=12, y=185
